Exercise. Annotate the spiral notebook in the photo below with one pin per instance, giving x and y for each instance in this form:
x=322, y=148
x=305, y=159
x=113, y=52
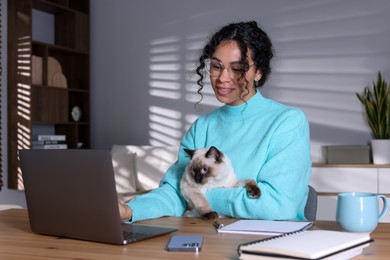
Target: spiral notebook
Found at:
x=312, y=244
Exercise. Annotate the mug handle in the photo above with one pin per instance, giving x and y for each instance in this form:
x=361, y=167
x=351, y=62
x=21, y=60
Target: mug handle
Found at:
x=384, y=209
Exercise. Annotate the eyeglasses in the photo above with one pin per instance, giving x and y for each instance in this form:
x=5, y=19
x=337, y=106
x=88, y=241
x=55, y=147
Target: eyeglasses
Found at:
x=215, y=68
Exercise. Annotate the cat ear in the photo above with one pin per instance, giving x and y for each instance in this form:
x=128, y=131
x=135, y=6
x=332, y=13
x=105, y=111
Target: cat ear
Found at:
x=189, y=152
x=213, y=152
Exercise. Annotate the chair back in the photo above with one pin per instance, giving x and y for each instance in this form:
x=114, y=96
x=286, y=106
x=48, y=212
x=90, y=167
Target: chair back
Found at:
x=311, y=205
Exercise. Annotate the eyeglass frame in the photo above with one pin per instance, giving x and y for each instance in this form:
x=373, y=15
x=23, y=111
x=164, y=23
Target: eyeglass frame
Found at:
x=207, y=68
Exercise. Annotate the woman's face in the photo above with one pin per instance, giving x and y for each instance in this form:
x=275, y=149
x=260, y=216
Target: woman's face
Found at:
x=227, y=89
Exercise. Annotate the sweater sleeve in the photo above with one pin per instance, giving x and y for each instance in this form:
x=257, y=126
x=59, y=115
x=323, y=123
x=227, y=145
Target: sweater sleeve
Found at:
x=166, y=200
x=283, y=178
x=162, y=201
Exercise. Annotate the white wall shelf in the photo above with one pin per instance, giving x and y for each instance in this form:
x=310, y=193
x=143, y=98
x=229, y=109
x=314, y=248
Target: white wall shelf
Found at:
x=329, y=180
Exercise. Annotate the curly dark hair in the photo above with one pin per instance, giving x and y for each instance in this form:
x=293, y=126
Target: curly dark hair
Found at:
x=248, y=35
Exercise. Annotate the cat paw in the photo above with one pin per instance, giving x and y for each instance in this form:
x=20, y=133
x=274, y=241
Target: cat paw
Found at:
x=210, y=215
x=254, y=192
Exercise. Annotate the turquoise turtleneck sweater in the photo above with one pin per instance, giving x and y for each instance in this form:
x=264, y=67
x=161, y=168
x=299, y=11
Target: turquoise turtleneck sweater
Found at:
x=266, y=141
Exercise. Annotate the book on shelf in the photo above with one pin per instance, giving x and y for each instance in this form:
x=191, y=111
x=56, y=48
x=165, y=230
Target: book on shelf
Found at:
x=50, y=146
x=310, y=244
x=49, y=138
x=264, y=227
x=43, y=142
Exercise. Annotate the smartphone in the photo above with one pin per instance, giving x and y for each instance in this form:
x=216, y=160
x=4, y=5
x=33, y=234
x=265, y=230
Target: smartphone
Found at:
x=185, y=244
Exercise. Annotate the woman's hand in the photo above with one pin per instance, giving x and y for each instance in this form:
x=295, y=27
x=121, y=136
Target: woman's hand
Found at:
x=125, y=212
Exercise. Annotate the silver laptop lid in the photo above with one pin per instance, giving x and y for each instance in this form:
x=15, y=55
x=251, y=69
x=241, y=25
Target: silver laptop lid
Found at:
x=71, y=193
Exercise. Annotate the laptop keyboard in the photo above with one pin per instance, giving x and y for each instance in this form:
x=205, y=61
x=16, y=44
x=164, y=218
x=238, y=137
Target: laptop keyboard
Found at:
x=133, y=236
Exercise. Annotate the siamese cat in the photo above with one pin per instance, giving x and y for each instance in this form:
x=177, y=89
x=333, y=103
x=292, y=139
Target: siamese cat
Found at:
x=209, y=168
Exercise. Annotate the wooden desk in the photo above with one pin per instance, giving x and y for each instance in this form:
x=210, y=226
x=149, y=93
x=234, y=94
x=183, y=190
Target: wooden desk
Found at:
x=18, y=242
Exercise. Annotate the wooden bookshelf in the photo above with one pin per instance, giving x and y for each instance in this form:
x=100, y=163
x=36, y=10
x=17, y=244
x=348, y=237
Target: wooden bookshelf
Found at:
x=46, y=104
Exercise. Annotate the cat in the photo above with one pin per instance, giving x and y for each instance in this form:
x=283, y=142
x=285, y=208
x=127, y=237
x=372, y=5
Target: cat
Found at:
x=209, y=168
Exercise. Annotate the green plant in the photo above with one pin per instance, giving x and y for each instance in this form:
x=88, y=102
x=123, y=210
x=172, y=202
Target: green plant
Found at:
x=377, y=108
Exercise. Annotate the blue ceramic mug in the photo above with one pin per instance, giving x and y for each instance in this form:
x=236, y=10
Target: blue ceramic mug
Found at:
x=358, y=211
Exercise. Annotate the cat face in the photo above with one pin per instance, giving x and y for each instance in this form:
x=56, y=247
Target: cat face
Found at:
x=204, y=163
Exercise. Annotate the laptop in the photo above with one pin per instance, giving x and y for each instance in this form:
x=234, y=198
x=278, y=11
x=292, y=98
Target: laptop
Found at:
x=72, y=194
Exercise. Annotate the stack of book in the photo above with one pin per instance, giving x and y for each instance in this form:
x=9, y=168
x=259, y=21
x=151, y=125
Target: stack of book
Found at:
x=312, y=244
x=293, y=240
x=49, y=142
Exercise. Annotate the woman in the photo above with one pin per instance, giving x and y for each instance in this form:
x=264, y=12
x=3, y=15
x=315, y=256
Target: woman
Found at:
x=265, y=140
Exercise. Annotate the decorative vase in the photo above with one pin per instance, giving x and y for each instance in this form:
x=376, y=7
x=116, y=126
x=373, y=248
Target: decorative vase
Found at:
x=380, y=151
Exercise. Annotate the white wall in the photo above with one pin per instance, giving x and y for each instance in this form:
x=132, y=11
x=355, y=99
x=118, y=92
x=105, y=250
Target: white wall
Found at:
x=325, y=52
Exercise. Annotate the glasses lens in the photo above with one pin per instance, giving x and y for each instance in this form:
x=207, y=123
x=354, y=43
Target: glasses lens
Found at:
x=213, y=68
x=236, y=71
